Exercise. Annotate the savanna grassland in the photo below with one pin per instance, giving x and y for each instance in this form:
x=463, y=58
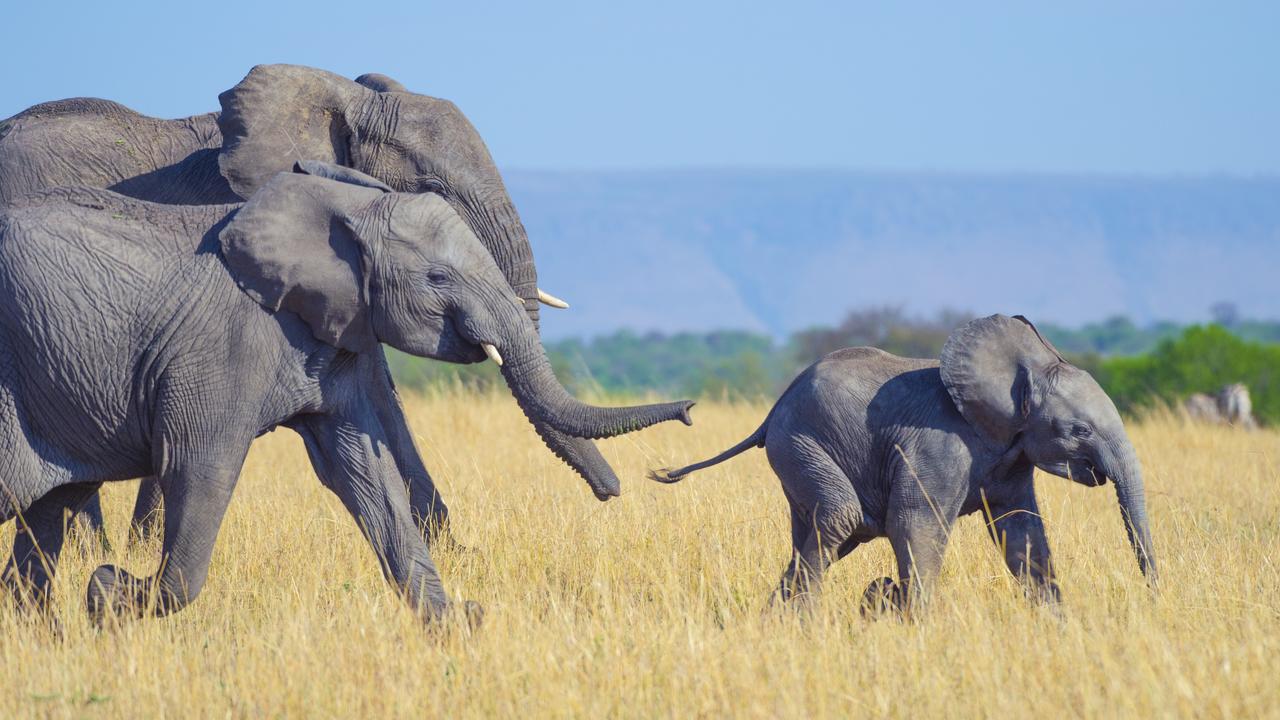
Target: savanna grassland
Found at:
x=652, y=605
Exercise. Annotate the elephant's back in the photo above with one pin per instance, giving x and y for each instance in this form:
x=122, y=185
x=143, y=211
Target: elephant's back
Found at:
x=92, y=142
x=849, y=397
x=85, y=264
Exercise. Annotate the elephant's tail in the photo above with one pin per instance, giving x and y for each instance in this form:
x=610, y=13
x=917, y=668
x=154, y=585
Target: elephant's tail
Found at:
x=756, y=439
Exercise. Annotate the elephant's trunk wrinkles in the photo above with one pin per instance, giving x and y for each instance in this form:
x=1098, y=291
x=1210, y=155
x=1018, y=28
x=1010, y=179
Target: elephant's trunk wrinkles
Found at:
x=1121, y=465
x=585, y=459
x=543, y=399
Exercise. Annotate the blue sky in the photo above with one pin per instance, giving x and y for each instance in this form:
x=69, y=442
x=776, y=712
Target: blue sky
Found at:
x=1081, y=87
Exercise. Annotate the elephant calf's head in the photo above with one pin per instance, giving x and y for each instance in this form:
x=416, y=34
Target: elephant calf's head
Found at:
x=1019, y=393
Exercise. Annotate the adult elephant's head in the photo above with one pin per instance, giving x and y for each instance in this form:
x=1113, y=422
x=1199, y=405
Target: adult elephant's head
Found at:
x=281, y=114
x=361, y=265
x=1015, y=388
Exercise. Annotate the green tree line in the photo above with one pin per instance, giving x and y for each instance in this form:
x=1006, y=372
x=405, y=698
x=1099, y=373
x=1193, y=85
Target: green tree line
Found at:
x=1138, y=365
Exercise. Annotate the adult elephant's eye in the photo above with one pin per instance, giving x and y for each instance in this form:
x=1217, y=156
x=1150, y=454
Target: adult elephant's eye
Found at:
x=432, y=186
x=1081, y=430
x=437, y=276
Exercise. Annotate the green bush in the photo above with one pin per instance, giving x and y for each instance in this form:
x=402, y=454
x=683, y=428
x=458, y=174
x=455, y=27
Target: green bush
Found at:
x=1202, y=359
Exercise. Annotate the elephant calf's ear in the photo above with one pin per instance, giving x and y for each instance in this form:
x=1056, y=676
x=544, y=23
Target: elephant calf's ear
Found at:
x=291, y=249
x=987, y=366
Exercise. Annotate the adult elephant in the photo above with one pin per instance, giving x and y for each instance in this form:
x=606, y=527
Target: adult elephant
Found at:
x=276, y=115
x=142, y=339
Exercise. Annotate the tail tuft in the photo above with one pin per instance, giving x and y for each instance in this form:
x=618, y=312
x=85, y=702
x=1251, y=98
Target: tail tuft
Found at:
x=665, y=475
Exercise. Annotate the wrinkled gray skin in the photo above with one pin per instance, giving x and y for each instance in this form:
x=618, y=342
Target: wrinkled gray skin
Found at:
x=868, y=445
x=279, y=114
x=141, y=339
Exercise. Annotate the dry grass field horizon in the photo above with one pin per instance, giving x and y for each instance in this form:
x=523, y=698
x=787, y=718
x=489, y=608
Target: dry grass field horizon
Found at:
x=653, y=604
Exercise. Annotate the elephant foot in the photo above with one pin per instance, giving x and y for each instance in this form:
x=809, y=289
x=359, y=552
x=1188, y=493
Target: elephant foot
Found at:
x=33, y=602
x=474, y=612
x=467, y=614
x=883, y=597
x=114, y=593
x=441, y=537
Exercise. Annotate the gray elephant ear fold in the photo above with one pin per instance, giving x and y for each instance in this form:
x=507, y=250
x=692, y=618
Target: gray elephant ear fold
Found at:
x=380, y=83
x=988, y=366
x=279, y=114
x=292, y=248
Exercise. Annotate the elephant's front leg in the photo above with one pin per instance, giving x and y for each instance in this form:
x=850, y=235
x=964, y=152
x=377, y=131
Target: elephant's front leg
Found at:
x=918, y=531
x=197, y=472
x=428, y=507
x=1014, y=523
x=352, y=457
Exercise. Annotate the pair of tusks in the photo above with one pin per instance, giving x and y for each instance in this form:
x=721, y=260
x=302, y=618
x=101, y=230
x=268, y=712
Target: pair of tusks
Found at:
x=545, y=298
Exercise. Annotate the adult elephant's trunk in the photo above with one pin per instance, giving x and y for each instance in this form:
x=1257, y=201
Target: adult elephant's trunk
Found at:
x=584, y=457
x=544, y=400
x=1121, y=465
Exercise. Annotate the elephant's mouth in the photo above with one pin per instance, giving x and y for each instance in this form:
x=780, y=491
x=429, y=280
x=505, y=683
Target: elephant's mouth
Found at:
x=1079, y=471
x=1085, y=473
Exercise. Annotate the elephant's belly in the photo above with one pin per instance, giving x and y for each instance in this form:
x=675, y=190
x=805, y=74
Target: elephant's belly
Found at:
x=85, y=422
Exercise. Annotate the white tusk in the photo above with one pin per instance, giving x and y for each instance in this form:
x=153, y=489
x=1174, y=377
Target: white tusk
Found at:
x=547, y=298
x=493, y=353
x=519, y=301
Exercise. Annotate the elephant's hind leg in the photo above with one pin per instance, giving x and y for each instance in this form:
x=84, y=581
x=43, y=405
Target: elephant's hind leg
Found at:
x=88, y=522
x=147, y=517
x=197, y=475
x=37, y=544
x=823, y=533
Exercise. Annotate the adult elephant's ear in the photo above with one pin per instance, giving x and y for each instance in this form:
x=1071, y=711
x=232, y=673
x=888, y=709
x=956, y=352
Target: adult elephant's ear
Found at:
x=988, y=367
x=292, y=248
x=380, y=83
x=280, y=114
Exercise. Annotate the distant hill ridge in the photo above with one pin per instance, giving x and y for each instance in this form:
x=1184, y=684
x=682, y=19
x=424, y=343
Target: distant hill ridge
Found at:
x=778, y=251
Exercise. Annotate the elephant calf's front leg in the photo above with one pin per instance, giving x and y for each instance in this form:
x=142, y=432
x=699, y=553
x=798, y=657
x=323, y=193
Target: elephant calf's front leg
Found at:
x=1014, y=523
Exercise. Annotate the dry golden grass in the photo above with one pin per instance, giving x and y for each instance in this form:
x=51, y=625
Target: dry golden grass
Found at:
x=651, y=605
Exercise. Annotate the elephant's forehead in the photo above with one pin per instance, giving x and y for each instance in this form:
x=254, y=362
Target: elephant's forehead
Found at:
x=438, y=126
x=430, y=224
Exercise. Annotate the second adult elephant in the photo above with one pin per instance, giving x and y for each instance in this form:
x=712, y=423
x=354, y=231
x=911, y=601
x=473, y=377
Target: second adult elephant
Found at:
x=276, y=115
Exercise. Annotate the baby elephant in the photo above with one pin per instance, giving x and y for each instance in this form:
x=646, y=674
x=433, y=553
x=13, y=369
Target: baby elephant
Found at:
x=868, y=444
